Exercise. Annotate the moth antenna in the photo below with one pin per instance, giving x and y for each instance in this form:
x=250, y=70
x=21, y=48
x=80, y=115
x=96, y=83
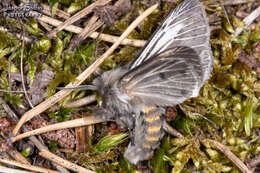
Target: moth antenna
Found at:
x=82, y=87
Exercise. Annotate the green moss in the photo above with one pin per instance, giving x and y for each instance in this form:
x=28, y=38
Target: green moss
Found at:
x=110, y=141
x=7, y=40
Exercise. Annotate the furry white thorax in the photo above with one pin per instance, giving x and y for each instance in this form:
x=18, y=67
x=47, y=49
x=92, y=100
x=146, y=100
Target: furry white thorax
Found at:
x=108, y=82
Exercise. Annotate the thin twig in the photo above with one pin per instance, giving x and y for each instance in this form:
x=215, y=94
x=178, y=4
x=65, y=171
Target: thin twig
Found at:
x=17, y=156
x=58, y=126
x=37, y=143
x=26, y=39
x=253, y=140
x=61, y=161
x=46, y=26
x=171, y=130
x=7, y=91
x=84, y=75
x=227, y=2
x=252, y=163
x=26, y=166
x=46, y=10
x=50, y=156
x=8, y=110
x=9, y=65
x=248, y=20
x=226, y=15
x=92, y=25
x=232, y=2
x=104, y=37
x=230, y=155
x=210, y=121
x=21, y=69
x=43, y=148
x=33, y=139
x=12, y=151
x=81, y=102
x=11, y=170
x=95, y=46
x=77, y=16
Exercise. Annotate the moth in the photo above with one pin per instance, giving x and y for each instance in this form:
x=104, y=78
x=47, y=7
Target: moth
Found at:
x=171, y=68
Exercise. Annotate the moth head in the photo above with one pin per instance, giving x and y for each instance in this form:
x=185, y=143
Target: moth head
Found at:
x=102, y=83
x=108, y=88
x=108, y=80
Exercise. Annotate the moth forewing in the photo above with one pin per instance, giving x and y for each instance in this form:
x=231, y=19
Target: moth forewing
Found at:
x=186, y=25
x=166, y=79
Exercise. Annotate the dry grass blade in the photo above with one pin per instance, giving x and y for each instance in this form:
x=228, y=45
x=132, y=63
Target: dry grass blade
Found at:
x=64, y=125
x=81, y=102
x=60, y=13
x=26, y=166
x=21, y=69
x=17, y=156
x=84, y=75
x=231, y=156
x=13, y=152
x=77, y=16
x=227, y=2
x=5, y=169
x=45, y=25
x=78, y=30
x=92, y=25
x=94, y=35
x=171, y=130
x=65, y=163
x=40, y=146
x=248, y=20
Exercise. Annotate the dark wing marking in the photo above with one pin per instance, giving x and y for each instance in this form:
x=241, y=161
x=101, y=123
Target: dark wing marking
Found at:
x=186, y=26
x=166, y=79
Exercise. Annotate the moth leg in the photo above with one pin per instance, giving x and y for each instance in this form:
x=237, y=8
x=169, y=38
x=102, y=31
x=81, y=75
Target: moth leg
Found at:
x=169, y=129
x=146, y=137
x=103, y=114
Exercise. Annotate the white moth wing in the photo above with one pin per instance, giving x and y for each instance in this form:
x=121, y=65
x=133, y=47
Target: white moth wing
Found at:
x=185, y=26
x=166, y=79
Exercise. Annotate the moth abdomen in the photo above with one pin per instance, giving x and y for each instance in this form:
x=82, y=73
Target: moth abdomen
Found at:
x=151, y=114
x=148, y=133
x=153, y=126
x=153, y=129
